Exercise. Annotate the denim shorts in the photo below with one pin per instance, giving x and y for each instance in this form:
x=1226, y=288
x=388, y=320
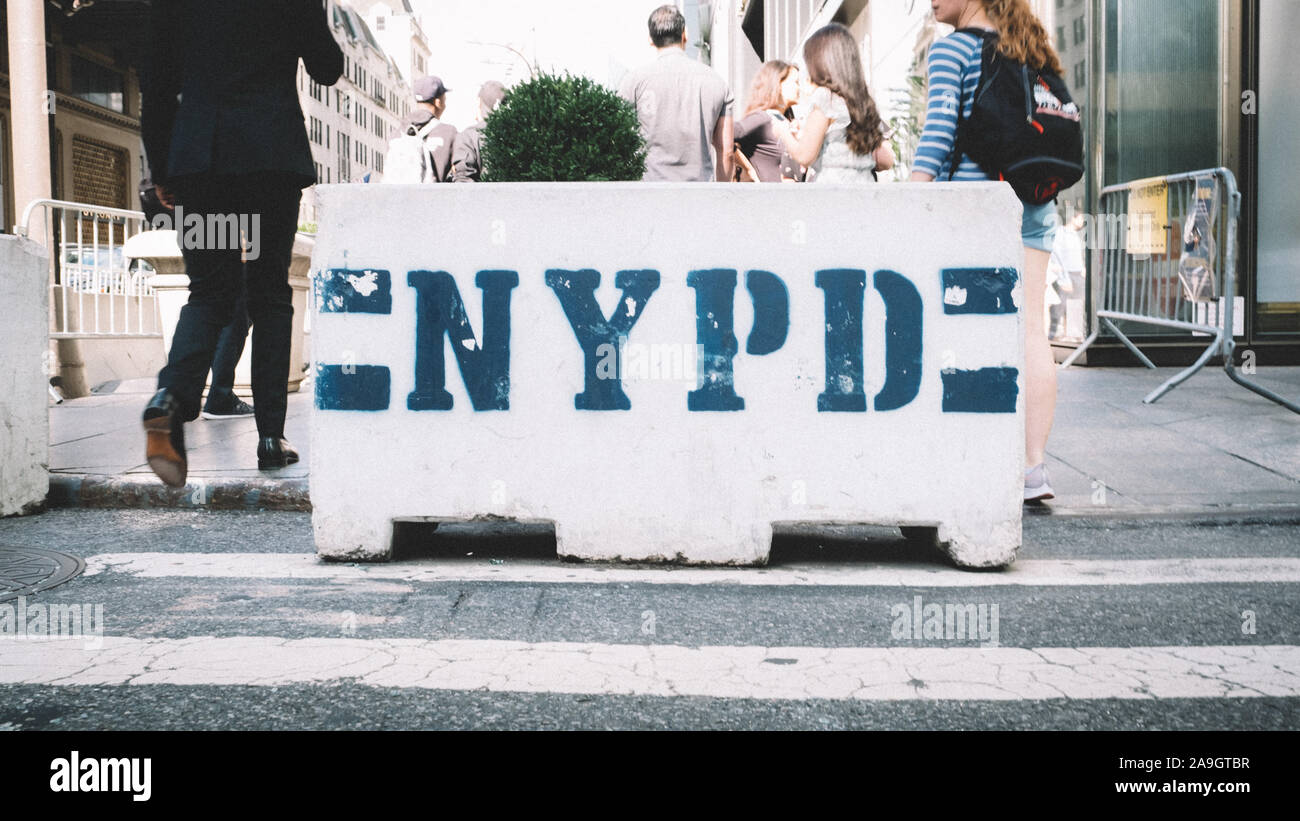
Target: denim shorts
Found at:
x=1038, y=226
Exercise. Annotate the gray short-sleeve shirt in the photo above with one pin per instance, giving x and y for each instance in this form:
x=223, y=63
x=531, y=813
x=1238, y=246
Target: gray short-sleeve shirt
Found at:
x=678, y=101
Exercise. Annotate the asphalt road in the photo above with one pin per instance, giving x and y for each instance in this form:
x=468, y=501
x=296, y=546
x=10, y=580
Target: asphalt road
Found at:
x=425, y=604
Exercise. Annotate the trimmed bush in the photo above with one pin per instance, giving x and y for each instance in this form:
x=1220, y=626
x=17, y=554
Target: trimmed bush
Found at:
x=562, y=129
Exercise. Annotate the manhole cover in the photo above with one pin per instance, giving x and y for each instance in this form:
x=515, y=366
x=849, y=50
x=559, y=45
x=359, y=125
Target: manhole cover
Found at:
x=25, y=570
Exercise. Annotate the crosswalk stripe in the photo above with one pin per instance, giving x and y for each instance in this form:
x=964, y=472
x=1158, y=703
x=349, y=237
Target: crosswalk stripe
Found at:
x=1028, y=572
x=783, y=673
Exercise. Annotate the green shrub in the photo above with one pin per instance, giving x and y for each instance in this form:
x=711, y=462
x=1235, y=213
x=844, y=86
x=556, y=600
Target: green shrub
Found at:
x=562, y=129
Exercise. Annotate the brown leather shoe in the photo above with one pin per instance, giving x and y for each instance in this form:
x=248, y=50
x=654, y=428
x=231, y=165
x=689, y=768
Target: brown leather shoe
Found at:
x=164, y=448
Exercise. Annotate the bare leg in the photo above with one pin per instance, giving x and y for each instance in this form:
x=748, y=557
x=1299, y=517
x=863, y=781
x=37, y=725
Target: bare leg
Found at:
x=1040, y=369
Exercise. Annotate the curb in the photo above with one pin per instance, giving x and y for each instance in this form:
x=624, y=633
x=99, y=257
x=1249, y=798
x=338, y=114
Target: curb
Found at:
x=201, y=493
x=75, y=490
x=1263, y=513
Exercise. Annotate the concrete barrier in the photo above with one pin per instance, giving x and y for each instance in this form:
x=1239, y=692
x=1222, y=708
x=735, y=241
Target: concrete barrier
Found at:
x=666, y=371
x=24, y=375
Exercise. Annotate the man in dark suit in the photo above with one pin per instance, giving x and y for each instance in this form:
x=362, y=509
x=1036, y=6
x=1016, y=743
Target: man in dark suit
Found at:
x=430, y=103
x=225, y=138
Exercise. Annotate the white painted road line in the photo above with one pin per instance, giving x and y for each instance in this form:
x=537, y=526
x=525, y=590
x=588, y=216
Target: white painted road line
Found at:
x=869, y=674
x=1030, y=572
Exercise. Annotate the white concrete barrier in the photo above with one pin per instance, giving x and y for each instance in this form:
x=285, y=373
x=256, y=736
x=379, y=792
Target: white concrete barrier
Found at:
x=665, y=371
x=24, y=375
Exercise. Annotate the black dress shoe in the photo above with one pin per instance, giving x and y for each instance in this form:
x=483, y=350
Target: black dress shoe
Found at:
x=275, y=452
x=164, y=448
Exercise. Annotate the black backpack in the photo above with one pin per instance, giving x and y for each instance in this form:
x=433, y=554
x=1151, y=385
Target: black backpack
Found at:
x=1024, y=127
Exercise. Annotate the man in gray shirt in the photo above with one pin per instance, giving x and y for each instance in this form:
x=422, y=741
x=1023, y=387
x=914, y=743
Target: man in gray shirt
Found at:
x=683, y=106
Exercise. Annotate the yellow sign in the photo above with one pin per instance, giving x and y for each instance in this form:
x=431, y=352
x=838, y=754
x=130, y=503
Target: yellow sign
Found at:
x=1148, y=214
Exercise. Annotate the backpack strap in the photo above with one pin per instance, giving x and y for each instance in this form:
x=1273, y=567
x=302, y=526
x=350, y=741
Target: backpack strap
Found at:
x=426, y=155
x=988, y=39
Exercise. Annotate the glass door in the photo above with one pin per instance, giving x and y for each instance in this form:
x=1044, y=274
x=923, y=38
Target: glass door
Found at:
x=1277, y=236
x=1162, y=101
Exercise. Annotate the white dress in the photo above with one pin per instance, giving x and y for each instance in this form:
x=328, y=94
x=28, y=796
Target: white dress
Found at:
x=837, y=162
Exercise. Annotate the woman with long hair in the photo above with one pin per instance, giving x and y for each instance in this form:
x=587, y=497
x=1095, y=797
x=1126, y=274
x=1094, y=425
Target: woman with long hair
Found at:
x=954, y=75
x=774, y=90
x=841, y=139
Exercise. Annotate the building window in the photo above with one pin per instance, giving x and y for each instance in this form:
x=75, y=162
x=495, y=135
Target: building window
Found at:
x=1060, y=38
x=1080, y=77
x=1080, y=31
x=99, y=173
x=379, y=23
x=345, y=157
x=97, y=84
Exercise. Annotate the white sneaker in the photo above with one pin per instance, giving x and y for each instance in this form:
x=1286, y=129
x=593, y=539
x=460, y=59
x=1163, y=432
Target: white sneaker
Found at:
x=1037, y=488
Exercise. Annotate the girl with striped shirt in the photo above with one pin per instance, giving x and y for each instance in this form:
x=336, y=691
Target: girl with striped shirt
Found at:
x=954, y=76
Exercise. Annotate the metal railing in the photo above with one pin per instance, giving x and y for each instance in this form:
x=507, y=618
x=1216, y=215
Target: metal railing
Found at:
x=95, y=291
x=1158, y=272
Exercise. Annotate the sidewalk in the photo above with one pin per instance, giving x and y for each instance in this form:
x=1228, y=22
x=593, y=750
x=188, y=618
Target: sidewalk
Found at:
x=97, y=456
x=1208, y=446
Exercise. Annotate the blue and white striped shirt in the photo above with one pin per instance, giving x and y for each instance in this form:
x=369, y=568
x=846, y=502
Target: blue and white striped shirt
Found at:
x=954, y=74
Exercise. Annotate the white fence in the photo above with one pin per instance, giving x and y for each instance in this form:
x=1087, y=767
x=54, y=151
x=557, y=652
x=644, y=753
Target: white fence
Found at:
x=95, y=291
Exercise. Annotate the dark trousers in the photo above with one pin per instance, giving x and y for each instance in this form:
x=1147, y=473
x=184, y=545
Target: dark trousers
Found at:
x=215, y=270
x=230, y=347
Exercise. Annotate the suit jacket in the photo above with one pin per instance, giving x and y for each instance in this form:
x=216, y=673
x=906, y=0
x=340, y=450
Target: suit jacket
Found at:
x=441, y=141
x=219, y=86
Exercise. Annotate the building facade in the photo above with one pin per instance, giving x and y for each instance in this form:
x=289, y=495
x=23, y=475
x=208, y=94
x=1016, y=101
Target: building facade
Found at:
x=400, y=33
x=93, y=102
x=350, y=123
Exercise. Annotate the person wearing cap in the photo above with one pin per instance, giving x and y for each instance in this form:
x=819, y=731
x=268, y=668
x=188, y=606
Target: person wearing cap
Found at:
x=466, y=165
x=430, y=103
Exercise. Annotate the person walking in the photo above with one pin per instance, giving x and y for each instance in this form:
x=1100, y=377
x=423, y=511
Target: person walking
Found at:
x=774, y=91
x=683, y=106
x=225, y=136
x=221, y=402
x=954, y=76
x=466, y=160
x=436, y=140
x=841, y=139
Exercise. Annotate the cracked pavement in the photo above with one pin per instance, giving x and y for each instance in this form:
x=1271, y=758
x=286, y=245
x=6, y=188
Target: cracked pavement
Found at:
x=1118, y=625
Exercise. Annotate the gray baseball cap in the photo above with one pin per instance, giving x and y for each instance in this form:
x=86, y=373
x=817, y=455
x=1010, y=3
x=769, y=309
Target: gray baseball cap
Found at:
x=429, y=88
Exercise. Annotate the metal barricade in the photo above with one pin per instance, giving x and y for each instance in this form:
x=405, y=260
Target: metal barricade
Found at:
x=1141, y=272
x=95, y=291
